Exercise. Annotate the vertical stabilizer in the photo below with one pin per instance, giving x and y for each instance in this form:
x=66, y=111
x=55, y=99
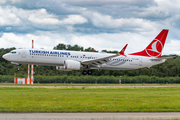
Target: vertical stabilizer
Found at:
x=154, y=49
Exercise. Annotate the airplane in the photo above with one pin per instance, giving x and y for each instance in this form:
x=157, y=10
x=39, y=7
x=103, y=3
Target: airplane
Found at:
x=75, y=60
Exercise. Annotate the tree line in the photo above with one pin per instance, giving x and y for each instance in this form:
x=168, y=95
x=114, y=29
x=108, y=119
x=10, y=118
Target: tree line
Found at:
x=170, y=68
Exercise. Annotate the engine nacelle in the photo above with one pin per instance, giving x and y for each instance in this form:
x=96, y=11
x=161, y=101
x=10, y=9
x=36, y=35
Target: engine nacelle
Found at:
x=69, y=65
x=72, y=65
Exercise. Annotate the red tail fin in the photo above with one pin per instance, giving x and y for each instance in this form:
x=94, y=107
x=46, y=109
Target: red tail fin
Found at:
x=154, y=49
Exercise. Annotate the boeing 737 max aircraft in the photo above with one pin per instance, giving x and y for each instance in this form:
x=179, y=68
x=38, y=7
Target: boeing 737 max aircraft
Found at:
x=75, y=60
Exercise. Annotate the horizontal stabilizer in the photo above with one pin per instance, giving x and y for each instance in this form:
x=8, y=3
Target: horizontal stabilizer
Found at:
x=162, y=58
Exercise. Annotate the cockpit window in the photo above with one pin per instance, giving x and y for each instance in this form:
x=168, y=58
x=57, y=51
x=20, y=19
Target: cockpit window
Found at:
x=13, y=52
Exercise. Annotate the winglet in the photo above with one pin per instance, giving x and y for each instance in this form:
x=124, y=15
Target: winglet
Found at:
x=93, y=50
x=122, y=51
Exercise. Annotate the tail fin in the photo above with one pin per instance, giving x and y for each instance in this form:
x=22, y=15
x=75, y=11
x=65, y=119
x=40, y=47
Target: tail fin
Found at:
x=154, y=49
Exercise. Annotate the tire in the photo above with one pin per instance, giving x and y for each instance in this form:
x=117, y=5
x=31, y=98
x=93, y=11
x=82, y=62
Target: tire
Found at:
x=84, y=72
x=89, y=72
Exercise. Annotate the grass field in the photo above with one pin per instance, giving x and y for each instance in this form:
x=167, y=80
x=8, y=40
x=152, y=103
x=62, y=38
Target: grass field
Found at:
x=89, y=99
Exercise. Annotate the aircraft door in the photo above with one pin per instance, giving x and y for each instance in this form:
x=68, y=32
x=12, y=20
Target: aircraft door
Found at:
x=140, y=61
x=23, y=53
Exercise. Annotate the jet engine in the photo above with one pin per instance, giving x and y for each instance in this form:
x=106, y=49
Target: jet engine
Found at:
x=69, y=65
x=72, y=65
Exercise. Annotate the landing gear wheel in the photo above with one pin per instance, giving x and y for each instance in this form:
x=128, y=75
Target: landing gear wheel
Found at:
x=84, y=72
x=89, y=72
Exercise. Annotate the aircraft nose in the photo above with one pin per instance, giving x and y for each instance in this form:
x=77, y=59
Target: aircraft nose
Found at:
x=5, y=56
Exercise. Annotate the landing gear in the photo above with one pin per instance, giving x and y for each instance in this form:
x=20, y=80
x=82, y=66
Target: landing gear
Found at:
x=84, y=72
x=89, y=72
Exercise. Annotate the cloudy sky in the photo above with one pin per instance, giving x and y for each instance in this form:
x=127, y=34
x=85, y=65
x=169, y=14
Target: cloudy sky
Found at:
x=101, y=24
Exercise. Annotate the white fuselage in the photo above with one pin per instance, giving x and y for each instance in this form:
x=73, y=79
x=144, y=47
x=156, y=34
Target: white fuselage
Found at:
x=57, y=58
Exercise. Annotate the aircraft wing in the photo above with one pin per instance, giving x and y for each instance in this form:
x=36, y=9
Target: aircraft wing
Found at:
x=98, y=62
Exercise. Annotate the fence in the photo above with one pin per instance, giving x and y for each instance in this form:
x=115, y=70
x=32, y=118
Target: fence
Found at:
x=98, y=79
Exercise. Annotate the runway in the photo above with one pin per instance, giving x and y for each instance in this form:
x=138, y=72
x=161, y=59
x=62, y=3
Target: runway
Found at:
x=81, y=85
x=88, y=116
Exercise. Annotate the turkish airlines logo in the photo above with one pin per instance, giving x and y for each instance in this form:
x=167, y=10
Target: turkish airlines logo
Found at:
x=155, y=48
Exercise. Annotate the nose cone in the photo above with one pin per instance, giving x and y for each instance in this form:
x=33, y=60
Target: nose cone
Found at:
x=5, y=56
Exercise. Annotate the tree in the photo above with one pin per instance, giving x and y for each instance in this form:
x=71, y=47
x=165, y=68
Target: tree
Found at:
x=60, y=47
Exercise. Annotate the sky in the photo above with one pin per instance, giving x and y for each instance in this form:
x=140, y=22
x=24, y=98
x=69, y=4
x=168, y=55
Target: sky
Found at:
x=101, y=24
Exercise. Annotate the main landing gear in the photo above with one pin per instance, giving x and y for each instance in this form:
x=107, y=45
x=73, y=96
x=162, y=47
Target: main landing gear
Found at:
x=89, y=72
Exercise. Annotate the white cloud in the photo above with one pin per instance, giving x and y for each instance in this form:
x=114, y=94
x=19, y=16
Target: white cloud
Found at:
x=42, y=40
x=42, y=17
x=74, y=19
x=12, y=16
x=14, y=1
x=10, y=39
x=162, y=10
x=2, y=1
x=102, y=2
x=155, y=12
x=7, y=18
x=107, y=21
x=172, y=47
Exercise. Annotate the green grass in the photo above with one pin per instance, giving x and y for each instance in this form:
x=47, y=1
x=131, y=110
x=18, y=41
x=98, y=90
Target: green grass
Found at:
x=89, y=99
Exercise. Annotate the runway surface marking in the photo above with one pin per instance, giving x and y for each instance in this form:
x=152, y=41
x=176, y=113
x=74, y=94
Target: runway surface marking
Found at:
x=49, y=116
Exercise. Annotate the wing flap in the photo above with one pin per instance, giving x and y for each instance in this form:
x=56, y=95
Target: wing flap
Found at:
x=100, y=61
